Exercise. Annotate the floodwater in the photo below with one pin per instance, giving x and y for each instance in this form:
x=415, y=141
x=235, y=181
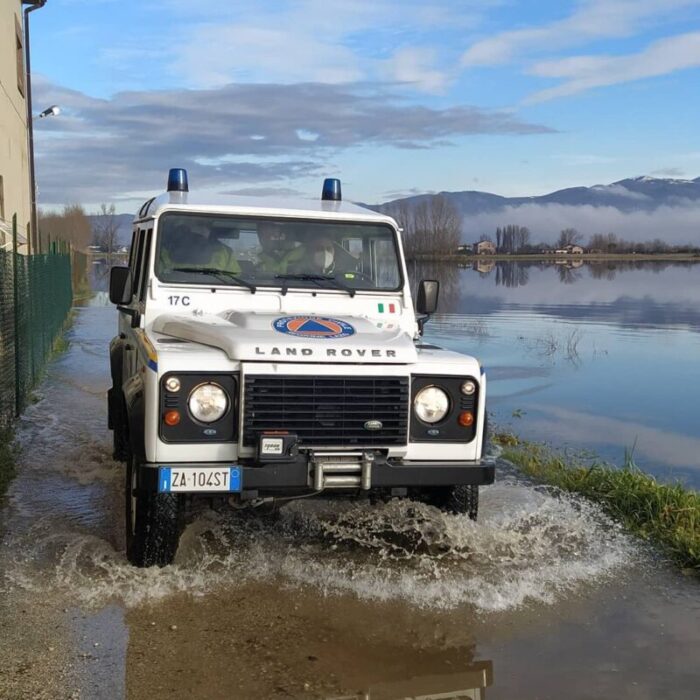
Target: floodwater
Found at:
x=544, y=597
x=602, y=358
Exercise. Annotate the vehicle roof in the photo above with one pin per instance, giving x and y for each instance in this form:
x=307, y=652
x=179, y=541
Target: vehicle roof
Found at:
x=258, y=206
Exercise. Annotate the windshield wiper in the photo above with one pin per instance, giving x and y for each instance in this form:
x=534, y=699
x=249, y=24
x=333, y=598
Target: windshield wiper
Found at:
x=217, y=272
x=317, y=279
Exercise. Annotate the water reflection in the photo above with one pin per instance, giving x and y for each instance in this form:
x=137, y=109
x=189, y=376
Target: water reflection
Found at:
x=516, y=273
x=619, y=342
x=449, y=277
x=468, y=684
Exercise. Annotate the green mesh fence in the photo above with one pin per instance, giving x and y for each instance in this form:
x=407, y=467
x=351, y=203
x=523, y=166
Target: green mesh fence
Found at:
x=36, y=298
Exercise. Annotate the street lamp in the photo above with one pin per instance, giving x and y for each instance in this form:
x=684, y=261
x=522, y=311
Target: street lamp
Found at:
x=52, y=111
x=31, y=6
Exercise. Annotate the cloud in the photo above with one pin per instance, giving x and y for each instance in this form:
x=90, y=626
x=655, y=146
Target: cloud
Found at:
x=254, y=54
x=590, y=21
x=402, y=194
x=235, y=135
x=415, y=67
x=674, y=224
x=616, y=190
x=661, y=446
x=669, y=172
x=264, y=192
x=308, y=40
x=580, y=73
x=584, y=159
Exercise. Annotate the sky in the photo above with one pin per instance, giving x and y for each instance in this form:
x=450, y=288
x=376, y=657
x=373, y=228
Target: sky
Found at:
x=395, y=98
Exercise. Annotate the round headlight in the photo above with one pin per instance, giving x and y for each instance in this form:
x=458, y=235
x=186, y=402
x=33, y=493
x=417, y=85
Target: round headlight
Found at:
x=468, y=387
x=207, y=403
x=172, y=384
x=431, y=404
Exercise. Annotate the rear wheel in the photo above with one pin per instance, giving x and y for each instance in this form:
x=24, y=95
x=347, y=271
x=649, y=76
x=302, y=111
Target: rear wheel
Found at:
x=117, y=413
x=154, y=522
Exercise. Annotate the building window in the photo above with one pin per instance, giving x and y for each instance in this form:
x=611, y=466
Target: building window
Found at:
x=20, y=56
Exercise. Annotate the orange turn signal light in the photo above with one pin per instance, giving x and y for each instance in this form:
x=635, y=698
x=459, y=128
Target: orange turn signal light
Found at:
x=465, y=419
x=171, y=418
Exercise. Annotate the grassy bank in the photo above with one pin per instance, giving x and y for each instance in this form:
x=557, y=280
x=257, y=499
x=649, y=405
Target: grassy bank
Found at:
x=666, y=513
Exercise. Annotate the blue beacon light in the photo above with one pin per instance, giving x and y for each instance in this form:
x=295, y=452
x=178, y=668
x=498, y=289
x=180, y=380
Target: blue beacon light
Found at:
x=177, y=180
x=331, y=190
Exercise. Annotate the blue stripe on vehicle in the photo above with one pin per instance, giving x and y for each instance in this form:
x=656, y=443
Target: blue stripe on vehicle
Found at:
x=235, y=479
x=153, y=365
x=164, y=480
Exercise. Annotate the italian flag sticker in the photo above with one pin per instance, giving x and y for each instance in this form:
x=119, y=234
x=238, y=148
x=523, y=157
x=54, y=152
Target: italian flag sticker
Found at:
x=386, y=308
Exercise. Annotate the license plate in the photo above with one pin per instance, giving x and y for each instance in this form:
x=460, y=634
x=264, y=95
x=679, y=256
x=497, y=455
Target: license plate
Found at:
x=193, y=479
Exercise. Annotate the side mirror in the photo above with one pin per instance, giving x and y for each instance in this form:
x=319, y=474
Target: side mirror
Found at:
x=427, y=301
x=120, y=285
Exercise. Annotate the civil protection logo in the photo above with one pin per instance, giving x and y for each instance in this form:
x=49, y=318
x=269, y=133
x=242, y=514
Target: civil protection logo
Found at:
x=313, y=327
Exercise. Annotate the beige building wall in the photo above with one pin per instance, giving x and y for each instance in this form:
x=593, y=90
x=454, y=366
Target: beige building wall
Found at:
x=14, y=158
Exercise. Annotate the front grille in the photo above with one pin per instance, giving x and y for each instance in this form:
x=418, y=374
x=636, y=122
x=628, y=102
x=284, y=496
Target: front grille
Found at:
x=327, y=410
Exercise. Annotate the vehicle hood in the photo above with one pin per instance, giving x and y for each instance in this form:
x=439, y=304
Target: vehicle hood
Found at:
x=273, y=337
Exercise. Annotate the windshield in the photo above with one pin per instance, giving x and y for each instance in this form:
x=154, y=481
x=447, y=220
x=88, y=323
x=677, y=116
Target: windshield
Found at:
x=285, y=253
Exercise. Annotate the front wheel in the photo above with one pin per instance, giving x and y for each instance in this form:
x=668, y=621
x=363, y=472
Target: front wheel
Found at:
x=459, y=500
x=154, y=522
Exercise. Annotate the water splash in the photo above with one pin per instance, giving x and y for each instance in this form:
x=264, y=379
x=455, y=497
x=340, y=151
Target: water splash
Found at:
x=530, y=545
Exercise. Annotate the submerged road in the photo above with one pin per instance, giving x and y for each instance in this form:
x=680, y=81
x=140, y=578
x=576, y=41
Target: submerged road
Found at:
x=542, y=598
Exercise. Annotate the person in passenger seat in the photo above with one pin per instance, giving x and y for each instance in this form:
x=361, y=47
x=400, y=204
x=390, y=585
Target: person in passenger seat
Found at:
x=277, y=254
x=182, y=246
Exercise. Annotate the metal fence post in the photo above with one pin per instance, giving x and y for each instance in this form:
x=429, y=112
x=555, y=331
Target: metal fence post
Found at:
x=15, y=304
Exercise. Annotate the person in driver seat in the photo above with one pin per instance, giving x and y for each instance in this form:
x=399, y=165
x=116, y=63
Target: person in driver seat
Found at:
x=325, y=257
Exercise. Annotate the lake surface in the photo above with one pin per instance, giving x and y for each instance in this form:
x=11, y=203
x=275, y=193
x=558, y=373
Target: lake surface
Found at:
x=602, y=358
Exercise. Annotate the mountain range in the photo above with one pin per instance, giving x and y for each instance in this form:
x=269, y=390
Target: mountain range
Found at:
x=638, y=208
x=633, y=194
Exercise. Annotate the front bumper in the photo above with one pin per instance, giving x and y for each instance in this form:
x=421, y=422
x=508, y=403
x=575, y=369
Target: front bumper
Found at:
x=301, y=475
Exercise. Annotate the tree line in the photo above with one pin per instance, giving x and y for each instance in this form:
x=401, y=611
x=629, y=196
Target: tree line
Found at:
x=73, y=225
x=516, y=239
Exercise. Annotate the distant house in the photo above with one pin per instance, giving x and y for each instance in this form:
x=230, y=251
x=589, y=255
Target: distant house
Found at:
x=485, y=248
x=464, y=249
x=569, y=250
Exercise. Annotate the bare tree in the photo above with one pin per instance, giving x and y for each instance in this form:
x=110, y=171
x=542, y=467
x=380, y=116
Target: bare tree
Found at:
x=106, y=227
x=512, y=238
x=605, y=242
x=431, y=226
x=569, y=236
x=70, y=225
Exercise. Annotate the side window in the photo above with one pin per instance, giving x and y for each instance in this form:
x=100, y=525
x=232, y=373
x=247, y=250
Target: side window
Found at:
x=132, y=249
x=146, y=237
x=135, y=262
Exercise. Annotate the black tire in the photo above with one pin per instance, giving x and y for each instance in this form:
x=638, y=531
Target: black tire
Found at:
x=154, y=523
x=485, y=442
x=459, y=500
x=120, y=437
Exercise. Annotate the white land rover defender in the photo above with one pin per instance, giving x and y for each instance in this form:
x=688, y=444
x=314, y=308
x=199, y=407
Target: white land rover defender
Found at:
x=271, y=351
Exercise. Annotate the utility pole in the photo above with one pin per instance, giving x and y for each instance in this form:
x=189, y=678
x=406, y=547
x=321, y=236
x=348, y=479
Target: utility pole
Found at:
x=34, y=233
